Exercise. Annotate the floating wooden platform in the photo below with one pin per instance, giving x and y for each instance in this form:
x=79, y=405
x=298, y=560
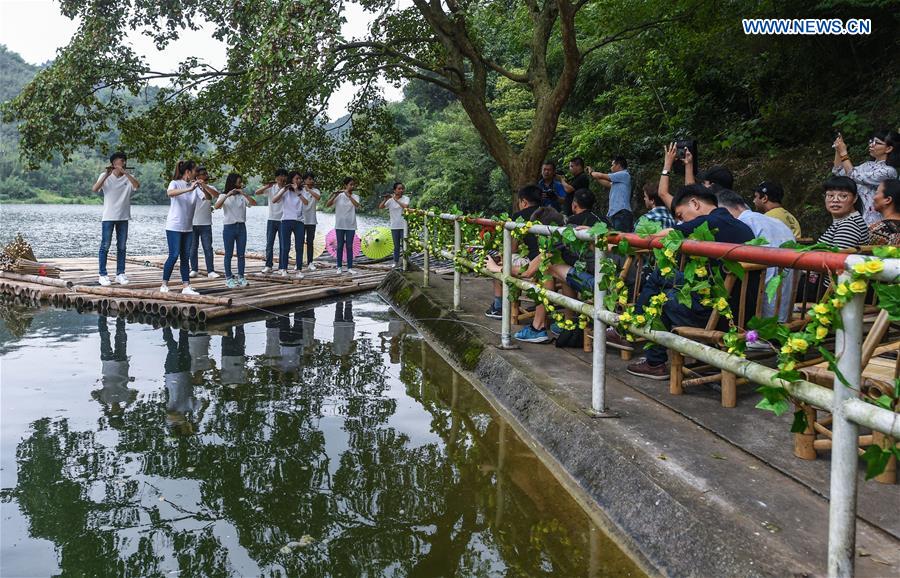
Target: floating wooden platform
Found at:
x=77, y=287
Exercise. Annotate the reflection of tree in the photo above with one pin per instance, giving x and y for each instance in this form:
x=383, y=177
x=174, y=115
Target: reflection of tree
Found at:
x=283, y=455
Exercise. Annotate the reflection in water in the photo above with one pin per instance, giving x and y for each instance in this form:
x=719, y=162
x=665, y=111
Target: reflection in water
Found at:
x=364, y=456
x=115, y=393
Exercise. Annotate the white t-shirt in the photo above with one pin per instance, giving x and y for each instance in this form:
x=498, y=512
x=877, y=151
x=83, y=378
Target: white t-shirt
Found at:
x=345, y=212
x=203, y=214
x=275, y=209
x=396, y=212
x=182, y=208
x=234, y=209
x=116, y=197
x=291, y=206
x=309, y=211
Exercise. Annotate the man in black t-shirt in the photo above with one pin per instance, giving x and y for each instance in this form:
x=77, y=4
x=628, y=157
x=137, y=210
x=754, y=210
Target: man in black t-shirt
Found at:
x=529, y=198
x=693, y=206
x=580, y=180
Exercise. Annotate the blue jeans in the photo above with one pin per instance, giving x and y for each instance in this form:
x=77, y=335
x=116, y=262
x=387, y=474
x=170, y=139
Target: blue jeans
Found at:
x=674, y=314
x=179, y=250
x=272, y=228
x=231, y=234
x=288, y=228
x=397, y=236
x=121, y=228
x=202, y=234
x=623, y=221
x=345, y=237
x=310, y=232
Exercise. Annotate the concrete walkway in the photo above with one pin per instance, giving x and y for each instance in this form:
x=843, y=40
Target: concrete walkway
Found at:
x=689, y=487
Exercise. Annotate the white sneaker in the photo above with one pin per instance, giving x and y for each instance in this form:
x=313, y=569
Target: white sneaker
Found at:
x=282, y=272
x=188, y=291
x=104, y=280
x=121, y=279
x=213, y=275
x=192, y=274
x=164, y=289
x=311, y=267
x=351, y=271
x=299, y=275
x=266, y=269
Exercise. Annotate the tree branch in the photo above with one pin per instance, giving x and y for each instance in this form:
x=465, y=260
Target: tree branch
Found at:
x=630, y=32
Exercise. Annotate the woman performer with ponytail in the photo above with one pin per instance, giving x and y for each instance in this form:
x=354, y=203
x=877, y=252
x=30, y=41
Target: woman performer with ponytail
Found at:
x=184, y=195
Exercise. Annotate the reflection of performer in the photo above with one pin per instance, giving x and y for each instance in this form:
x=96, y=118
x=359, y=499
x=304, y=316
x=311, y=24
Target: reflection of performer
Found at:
x=115, y=394
x=198, y=344
x=180, y=390
x=344, y=327
x=290, y=338
x=309, y=327
x=234, y=361
x=273, y=346
x=394, y=335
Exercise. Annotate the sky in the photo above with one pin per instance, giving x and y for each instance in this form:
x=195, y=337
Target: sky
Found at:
x=35, y=29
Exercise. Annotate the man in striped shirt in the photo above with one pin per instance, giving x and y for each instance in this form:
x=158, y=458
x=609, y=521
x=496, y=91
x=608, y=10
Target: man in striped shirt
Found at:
x=657, y=208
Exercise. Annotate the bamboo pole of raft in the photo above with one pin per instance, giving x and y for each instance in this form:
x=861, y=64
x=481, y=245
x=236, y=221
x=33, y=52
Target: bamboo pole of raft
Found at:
x=256, y=256
x=49, y=281
x=145, y=294
x=289, y=298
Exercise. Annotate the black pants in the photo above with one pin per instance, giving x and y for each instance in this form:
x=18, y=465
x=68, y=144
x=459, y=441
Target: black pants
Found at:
x=397, y=236
x=623, y=221
x=310, y=232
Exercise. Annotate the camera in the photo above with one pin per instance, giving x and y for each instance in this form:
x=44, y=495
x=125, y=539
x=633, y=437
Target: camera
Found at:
x=681, y=146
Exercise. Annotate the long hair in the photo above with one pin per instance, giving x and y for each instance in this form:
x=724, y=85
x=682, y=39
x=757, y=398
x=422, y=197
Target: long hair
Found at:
x=892, y=139
x=231, y=182
x=182, y=167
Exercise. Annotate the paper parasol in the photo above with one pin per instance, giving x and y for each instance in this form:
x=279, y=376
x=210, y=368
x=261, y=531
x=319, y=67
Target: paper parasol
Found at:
x=377, y=243
x=318, y=246
x=331, y=244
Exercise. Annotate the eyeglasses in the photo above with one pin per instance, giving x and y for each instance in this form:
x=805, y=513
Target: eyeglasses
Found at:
x=838, y=196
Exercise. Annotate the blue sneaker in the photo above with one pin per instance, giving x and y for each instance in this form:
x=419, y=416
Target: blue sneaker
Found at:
x=532, y=335
x=231, y=283
x=555, y=329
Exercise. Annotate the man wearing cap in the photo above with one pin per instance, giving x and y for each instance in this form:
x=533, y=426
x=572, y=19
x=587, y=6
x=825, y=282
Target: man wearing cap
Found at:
x=767, y=198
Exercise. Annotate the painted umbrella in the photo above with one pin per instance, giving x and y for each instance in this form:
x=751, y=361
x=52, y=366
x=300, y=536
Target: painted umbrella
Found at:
x=318, y=246
x=377, y=243
x=331, y=244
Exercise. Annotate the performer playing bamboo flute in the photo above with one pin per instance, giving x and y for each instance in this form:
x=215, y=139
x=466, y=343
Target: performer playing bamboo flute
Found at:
x=117, y=185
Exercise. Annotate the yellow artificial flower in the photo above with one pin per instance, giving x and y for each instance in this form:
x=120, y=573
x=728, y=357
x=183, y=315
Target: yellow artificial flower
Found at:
x=625, y=317
x=651, y=310
x=824, y=319
x=841, y=289
x=858, y=286
x=874, y=266
x=620, y=284
x=721, y=304
x=665, y=270
x=860, y=268
x=704, y=291
x=821, y=332
x=789, y=366
x=623, y=299
x=837, y=303
x=798, y=344
x=787, y=350
x=821, y=308
x=640, y=320
x=706, y=302
x=700, y=272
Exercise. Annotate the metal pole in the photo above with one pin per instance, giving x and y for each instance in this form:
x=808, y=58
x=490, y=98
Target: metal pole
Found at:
x=598, y=376
x=505, y=308
x=457, y=278
x=425, y=261
x=845, y=448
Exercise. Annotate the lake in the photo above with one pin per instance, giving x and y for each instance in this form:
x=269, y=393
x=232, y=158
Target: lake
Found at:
x=74, y=230
x=327, y=441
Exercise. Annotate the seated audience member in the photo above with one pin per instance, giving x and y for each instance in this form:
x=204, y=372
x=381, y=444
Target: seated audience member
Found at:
x=618, y=181
x=776, y=234
x=692, y=206
x=536, y=331
x=580, y=180
x=583, y=210
x=767, y=198
x=553, y=193
x=529, y=198
x=884, y=148
x=656, y=209
x=848, y=229
x=715, y=177
x=887, y=203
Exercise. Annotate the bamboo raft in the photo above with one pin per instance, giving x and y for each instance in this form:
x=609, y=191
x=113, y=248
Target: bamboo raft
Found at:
x=77, y=287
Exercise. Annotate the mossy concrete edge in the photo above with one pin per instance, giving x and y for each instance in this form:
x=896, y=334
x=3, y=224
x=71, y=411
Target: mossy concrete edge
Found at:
x=658, y=530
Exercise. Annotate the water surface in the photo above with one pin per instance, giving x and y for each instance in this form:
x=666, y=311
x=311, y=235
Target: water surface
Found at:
x=322, y=442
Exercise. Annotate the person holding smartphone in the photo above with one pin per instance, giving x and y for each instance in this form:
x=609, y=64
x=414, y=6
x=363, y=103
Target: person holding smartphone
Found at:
x=117, y=185
x=292, y=201
x=234, y=205
x=345, y=203
x=273, y=224
x=395, y=203
x=312, y=196
x=203, y=227
x=184, y=195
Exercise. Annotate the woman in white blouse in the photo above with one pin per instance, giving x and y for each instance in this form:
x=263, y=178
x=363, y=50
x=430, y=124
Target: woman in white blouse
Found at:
x=345, y=203
x=234, y=205
x=884, y=148
x=292, y=202
x=184, y=195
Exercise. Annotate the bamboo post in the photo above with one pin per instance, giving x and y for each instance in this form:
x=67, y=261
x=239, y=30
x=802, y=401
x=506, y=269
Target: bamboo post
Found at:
x=803, y=442
x=676, y=375
x=729, y=389
x=425, y=262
